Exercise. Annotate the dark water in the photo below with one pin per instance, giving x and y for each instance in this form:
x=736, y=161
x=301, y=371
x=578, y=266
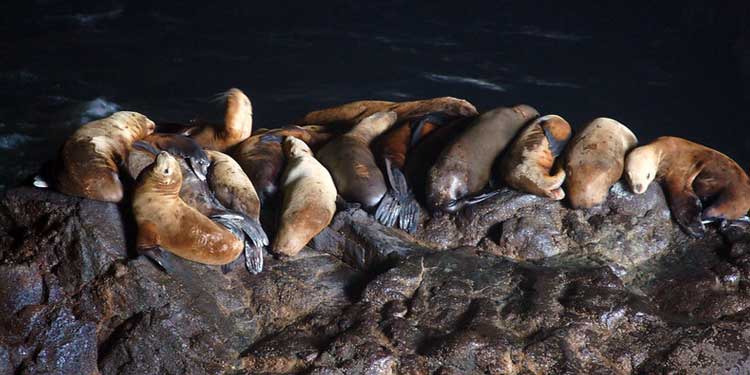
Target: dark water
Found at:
x=679, y=69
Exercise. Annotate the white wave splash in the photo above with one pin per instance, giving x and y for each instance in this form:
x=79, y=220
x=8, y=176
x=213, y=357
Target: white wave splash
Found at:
x=96, y=109
x=467, y=80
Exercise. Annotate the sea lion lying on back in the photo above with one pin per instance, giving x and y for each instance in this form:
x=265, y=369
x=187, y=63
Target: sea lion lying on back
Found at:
x=594, y=161
x=352, y=164
x=691, y=174
x=309, y=199
x=352, y=113
x=88, y=163
x=237, y=126
x=464, y=167
x=262, y=158
x=527, y=164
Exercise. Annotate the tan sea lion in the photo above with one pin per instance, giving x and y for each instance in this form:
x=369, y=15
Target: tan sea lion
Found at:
x=463, y=169
x=352, y=164
x=237, y=126
x=222, y=194
x=352, y=113
x=527, y=164
x=262, y=158
x=88, y=163
x=594, y=161
x=691, y=174
x=166, y=222
x=309, y=199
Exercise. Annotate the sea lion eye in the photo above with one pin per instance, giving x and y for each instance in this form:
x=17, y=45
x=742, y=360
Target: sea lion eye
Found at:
x=648, y=175
x=166, y=170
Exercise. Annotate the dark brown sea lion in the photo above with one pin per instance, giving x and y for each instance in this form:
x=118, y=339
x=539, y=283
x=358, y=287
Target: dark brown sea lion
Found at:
x=88, y=163
x=527, y=164
x=692, y=175
x=262, y=158
x=352, y=164
x=463, y=169
x=399, y=206
x=166, y=222
x=352, y=113
x=309, y=199
x=594, y=161
x=237, y=126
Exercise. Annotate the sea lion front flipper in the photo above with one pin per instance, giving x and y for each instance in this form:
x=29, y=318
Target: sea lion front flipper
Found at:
x=432, y=118
x=687, y=209
x=145, y=146
x=253, y=258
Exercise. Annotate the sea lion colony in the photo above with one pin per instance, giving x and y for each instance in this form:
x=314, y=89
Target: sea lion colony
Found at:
x=198, y=192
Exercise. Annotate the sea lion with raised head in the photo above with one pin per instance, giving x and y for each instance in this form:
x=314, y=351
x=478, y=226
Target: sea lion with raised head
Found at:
x=237, y=126
x=165, y=222
x=350, y=114
x=309, y=199
x=262, y=158
x=463, y=168
x=594, y=161
x=528, y=163
x=223, y=195
x=88, y=163
x=352, y=164
x=692, y=175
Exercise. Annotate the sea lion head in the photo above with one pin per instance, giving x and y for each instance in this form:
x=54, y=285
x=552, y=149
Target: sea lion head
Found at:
x=137, y=124
x=641, y=166
x=295, y=148
x=165, y=171
x=239, y=113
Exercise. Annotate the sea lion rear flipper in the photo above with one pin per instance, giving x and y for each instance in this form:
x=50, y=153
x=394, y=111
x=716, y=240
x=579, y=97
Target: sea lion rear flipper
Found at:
x=687, y=208
x=480, y=197
x=398, y=205
x=245, y=228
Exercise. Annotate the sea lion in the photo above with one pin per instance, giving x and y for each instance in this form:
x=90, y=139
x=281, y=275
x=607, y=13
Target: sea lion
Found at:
x=692, y=175
x=232, y=202
x=352, y=113
x=237, y=126
x=166, y=222
x=309, y=199
x=352, y=164
x=527, y=164
x=463, y=169
x=399, y=206
x=594, y=161
x=88, y=163
x=262, y=158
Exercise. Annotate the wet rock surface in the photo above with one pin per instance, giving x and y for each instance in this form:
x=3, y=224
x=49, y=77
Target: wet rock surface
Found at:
x=514, y=285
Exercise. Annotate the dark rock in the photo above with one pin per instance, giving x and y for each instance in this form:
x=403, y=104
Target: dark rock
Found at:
x=516, y=284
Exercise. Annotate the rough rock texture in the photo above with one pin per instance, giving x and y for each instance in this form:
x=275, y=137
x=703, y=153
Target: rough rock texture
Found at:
x=515, y=285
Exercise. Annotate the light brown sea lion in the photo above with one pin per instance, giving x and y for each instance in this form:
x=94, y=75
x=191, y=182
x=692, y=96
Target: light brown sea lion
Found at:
x=527, y=164
x=594, y=161
x=352, y=113
x=262, y=158
x=399, y=206
x=166, y=222
x=237, y=126
x=222, y=194
x=89, y=159
x=691, y=174
x=309, y=199
x=463, y=169
x=352, y=164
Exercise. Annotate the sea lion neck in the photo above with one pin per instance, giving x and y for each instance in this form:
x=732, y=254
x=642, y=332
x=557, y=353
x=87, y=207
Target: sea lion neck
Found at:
x=372, y=126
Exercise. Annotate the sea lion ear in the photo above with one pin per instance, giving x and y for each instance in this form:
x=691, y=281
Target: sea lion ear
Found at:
x=557, y=136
